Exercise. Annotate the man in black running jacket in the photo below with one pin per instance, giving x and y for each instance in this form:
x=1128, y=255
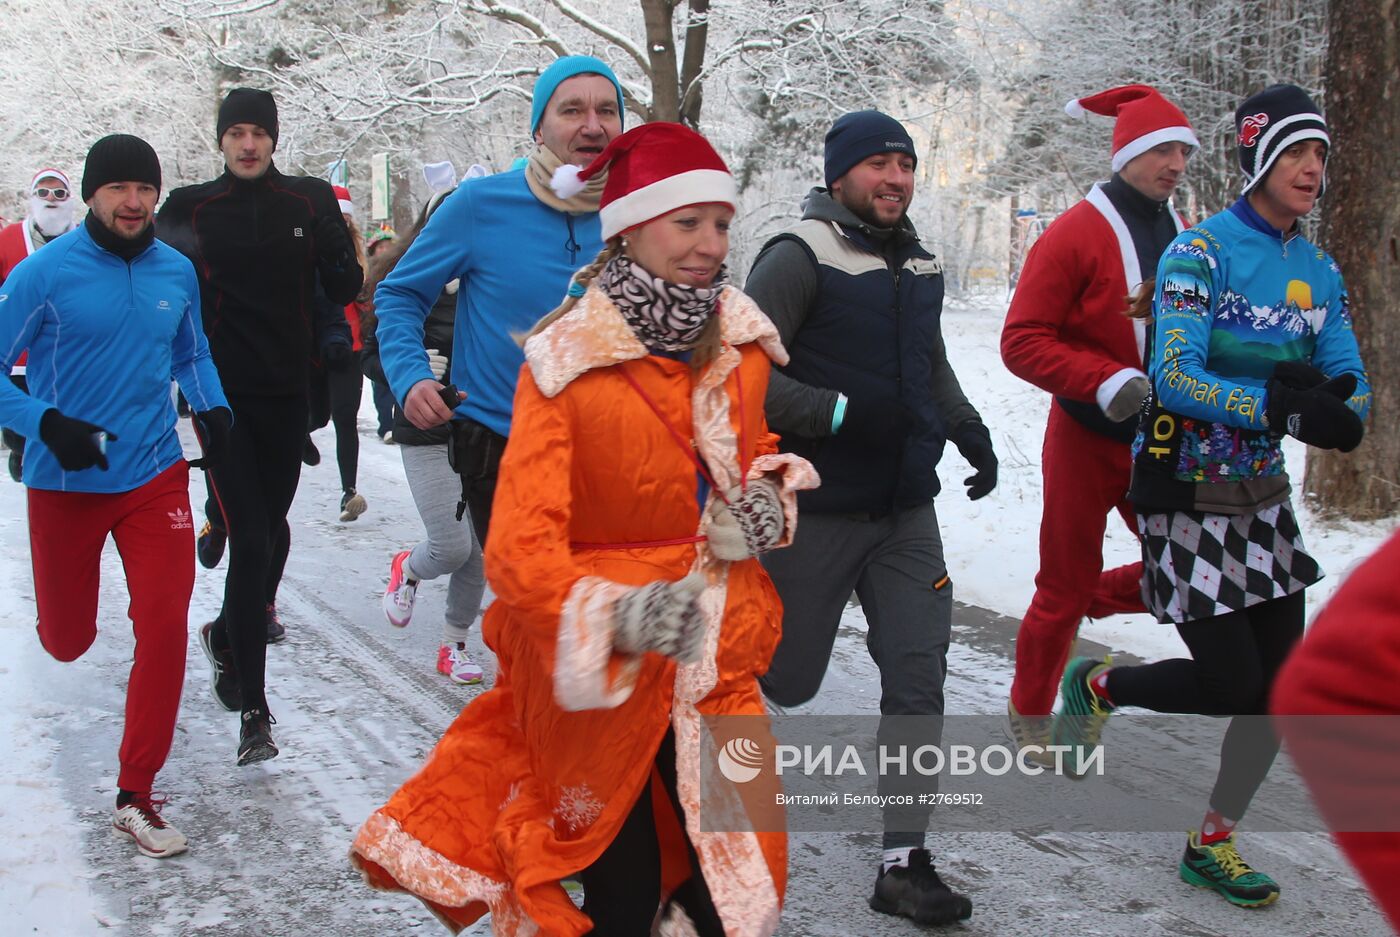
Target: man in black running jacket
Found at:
x=259, y=241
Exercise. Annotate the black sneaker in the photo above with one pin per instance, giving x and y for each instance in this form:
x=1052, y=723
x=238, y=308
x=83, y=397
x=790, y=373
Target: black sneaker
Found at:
x=917, y=892
x=309, y=453
x=223, y=679
x=209, y=545
x=255, y=737
x=276, y=631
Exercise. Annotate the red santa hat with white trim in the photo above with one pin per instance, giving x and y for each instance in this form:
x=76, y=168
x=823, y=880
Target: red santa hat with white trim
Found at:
x=651, y=170
x=1143, y=119
x=43, y=174
x=342, y=195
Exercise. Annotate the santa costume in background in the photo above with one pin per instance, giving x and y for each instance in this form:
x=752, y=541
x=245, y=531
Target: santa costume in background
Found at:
x=1067, y=332
x=44, y=221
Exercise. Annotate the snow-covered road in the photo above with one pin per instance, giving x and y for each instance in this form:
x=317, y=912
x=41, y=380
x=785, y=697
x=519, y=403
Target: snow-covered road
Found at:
x=358, y=705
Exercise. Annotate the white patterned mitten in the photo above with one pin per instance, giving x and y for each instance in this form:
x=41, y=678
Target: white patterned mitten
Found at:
x=750, y=524
x=664, y=617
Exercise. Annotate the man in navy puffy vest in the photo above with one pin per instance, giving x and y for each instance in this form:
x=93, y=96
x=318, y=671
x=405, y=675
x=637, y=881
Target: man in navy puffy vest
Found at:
x=870, y=399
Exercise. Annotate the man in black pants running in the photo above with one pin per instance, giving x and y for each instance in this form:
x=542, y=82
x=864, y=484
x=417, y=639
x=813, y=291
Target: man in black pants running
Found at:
x=259, y=240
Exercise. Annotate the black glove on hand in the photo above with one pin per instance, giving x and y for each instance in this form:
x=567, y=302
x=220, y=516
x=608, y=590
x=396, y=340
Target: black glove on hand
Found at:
x=336, y=356
x=882, y=420
x=1299, y=375
x=72, y=442
x=212, y=428
x=1318, y=416
x=333, y=244
x=974, y=441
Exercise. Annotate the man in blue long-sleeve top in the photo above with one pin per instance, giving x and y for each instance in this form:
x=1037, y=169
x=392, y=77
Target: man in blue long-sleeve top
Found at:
x=108, y=314
x=514, y=244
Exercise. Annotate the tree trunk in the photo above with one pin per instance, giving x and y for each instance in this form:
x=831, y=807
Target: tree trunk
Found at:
x=1361, y=229
x=697, y=33
x=661, y=53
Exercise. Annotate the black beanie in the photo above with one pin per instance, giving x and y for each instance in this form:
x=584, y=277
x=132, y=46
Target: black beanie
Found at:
x=120, y=158
x=248, y=106
x=1270, y=122
x=862, y=134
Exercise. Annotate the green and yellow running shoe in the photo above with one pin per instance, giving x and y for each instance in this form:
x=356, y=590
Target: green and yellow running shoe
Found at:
x=1221, y=868
x=1082, y=715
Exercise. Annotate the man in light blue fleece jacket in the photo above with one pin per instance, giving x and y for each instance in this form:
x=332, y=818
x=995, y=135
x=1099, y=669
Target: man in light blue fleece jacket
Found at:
x=108, y=314
x=514, y=245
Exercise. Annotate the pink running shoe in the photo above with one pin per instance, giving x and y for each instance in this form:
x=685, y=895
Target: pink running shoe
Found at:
x=455, y=664
x=399, y=594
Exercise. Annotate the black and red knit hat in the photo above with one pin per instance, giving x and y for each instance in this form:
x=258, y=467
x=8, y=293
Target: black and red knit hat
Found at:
x=1270, y=122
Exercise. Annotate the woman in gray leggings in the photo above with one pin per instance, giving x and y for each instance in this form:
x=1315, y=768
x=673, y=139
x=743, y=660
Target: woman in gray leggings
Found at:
x=451, y=548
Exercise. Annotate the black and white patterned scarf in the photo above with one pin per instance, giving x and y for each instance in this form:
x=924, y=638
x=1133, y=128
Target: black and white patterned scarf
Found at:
x=664, y=315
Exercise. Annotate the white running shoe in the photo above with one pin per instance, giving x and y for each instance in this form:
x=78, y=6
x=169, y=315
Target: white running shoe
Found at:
x=141, y=820
x=455, y=664
x=399, y=594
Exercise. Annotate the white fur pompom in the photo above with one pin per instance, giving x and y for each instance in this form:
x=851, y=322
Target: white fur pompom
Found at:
x=1075, y=109
x=565, y=181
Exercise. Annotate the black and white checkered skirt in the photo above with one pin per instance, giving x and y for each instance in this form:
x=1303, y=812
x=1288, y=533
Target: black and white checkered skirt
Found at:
x=1200, y=565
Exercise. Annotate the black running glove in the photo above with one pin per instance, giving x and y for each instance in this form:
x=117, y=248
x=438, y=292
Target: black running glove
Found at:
x=336, y=356
x=974, y=441
x=333, y=244
x=1318, y=416
x=212, y=427
x=1299, y=375
x=74, y=443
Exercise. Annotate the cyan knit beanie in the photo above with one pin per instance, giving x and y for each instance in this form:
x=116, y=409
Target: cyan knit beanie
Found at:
x=561, y=71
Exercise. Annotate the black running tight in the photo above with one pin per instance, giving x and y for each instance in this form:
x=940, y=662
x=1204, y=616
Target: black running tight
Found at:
x=622, y=889
x=1234, y=660
x=255, y=486
x=335, y=398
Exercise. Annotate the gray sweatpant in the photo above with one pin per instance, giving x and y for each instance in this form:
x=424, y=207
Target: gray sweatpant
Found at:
x=894, y=564
x=451, y=547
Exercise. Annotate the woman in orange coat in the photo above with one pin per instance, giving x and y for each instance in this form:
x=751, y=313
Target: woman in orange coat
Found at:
x=639, y=483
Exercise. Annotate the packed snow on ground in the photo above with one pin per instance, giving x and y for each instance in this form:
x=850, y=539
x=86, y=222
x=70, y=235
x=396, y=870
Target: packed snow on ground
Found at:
x=359, y=706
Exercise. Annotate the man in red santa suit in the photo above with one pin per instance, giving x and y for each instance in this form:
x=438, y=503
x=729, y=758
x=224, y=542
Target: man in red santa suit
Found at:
x=1067, y=333
x=51, y=211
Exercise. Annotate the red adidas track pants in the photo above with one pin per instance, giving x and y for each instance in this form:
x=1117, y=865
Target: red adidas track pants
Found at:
x=155, y=538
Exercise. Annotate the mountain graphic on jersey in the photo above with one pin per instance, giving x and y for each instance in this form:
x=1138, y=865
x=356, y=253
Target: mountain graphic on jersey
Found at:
x=1247, y=340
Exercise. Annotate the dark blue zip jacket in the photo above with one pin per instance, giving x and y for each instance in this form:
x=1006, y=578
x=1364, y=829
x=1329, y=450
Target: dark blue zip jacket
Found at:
x=859, y=314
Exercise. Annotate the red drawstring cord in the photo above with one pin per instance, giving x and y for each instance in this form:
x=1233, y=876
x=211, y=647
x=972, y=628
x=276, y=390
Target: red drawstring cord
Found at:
x=686, y=446
x=636, y=544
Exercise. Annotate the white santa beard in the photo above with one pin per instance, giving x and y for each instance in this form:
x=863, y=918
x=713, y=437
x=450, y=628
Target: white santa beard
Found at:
x=51, y=218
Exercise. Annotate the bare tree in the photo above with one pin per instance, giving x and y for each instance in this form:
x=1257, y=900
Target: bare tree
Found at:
x=1204, y=55
x=1361, y=228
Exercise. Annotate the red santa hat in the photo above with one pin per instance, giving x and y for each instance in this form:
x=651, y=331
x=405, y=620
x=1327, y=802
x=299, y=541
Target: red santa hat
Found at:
x=652, y=169
x=342, y=194
x=1144, y=119
x=49, y=174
